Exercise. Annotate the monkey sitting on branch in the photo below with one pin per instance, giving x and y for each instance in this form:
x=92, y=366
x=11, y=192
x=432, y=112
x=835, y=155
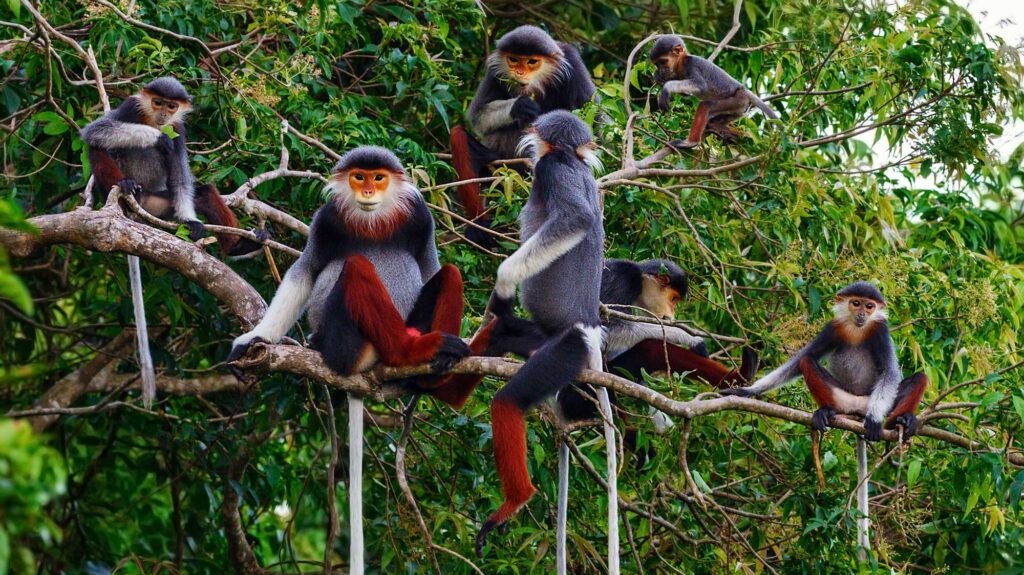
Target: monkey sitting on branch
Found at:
x=723, y=99
x=863, y=377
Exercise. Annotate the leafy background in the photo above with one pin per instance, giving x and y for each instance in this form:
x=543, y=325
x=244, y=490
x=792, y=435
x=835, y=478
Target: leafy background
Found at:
x=882, y=168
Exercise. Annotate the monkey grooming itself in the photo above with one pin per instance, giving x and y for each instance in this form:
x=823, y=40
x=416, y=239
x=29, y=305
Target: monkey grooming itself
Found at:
x=722, y=99
x=527, y=75
x=864, y=375
x=128, y=148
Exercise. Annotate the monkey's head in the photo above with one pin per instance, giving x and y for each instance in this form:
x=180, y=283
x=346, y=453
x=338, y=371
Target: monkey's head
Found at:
x=859, y=306
x=529, y=57
x=668, y=54
x=164, y=101
x=664, y=286
x=371, y=190
x=560, y=130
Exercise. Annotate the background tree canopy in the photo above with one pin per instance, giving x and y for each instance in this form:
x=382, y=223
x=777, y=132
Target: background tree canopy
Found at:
x=881, y=169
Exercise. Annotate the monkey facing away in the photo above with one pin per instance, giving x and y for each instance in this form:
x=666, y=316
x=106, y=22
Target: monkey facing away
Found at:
x=527, y=75
x=863, y=377
x=559, y=268
x=127, y=148
x=722, y=98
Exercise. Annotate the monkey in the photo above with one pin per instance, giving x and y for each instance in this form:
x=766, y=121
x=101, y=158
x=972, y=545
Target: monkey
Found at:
x=371, y=276
x=558, y=267
x=127, y=148
x=527, y=75
x=375, y=290
x=722, y=98
x=864, y=375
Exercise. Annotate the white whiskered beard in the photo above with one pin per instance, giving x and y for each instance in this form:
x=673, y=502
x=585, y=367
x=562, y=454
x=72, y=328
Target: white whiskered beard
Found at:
x=550, y=74
x=531, y=145
x=398, y=200
x=588, y=154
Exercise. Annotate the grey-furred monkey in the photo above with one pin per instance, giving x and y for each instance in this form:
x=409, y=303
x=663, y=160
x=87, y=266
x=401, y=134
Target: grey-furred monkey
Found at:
x=128, y=148
x=558, y=267
x=722, y=98
x=863, y=376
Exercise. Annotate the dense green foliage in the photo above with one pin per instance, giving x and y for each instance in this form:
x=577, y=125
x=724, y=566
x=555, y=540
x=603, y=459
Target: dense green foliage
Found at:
x=881, y=168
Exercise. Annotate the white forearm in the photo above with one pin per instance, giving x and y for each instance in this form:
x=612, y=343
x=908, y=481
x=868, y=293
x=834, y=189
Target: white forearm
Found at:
x=494, y=116
x=530, y=259
x=284, y=311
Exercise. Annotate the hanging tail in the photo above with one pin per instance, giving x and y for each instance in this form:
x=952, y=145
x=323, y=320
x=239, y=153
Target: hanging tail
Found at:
x=761, y=105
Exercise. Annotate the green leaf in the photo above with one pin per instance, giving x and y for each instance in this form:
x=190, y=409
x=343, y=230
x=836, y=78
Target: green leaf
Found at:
x=13, y=289
x=169, y=130
x=913, y=472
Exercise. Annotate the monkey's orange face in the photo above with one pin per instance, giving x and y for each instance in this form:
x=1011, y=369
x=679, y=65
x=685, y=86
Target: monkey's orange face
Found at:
x=524, y=68
x=859, y=311
x=369, y=187
x=658, y=297
x=162, y=111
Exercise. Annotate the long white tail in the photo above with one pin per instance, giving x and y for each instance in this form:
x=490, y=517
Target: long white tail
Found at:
x=864, y=521
x=141, y=333
x=761, y=105
x=563, y=506
x=613, y=491
x=355, y=485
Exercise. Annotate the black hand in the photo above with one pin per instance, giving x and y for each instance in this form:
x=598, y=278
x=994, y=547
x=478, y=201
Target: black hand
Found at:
x=737, y=391
x=700, y=349
x=237, y=351
x=822, y=419
x=665, y=100
x=196, y=229
x=262, y=236
x=164, y=144
x=452, y=350
x=909, y=423
x=872, y=429
x=524, y=111
x=130, y=186
x=499, y=306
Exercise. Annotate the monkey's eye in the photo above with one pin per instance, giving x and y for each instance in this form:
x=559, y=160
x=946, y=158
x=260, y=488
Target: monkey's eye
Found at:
x=378, y=178
x=358, y=177
x=869, y=305
x=513, y=59
x=663, y=62
x=172, y=106
x=855, y=303
x=532, y=61
x=158, y=102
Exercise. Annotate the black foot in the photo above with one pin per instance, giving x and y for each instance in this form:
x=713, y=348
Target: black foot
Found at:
x=751, y=362
x=909, y=423
x=872, y=430
x=678, y=145
x=196, y=229
x=452, y=350
x=481, y=537
x=262, y=236
x=130, y=186
x=700, y=349
x=822, y=419
x=500, y=307
x=737, y=391
x=478, y=236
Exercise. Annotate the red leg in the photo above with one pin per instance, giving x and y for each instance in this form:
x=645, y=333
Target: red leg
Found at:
x=909, y=396
x=469, y=194
x=650, y=355
x=211, y=206
x=369, y=304
x=104, y=169
x=700, y=121
x=508, y=426
x=817, y=383
x=456, y=389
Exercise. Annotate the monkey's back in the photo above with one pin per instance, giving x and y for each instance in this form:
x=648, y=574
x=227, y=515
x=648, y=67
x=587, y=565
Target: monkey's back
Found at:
x=568, y=291
x=720, y=84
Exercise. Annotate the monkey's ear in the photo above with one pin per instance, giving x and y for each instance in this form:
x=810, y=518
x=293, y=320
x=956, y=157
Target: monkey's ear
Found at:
x=678, y=49
x=663, y=280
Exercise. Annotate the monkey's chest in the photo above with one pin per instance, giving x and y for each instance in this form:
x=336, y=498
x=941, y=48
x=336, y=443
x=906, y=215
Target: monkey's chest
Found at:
x=144, y=166
x=855, y=370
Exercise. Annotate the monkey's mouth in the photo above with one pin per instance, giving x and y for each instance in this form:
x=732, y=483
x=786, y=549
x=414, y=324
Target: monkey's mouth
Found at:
x=368, y=206
x=860, y=321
